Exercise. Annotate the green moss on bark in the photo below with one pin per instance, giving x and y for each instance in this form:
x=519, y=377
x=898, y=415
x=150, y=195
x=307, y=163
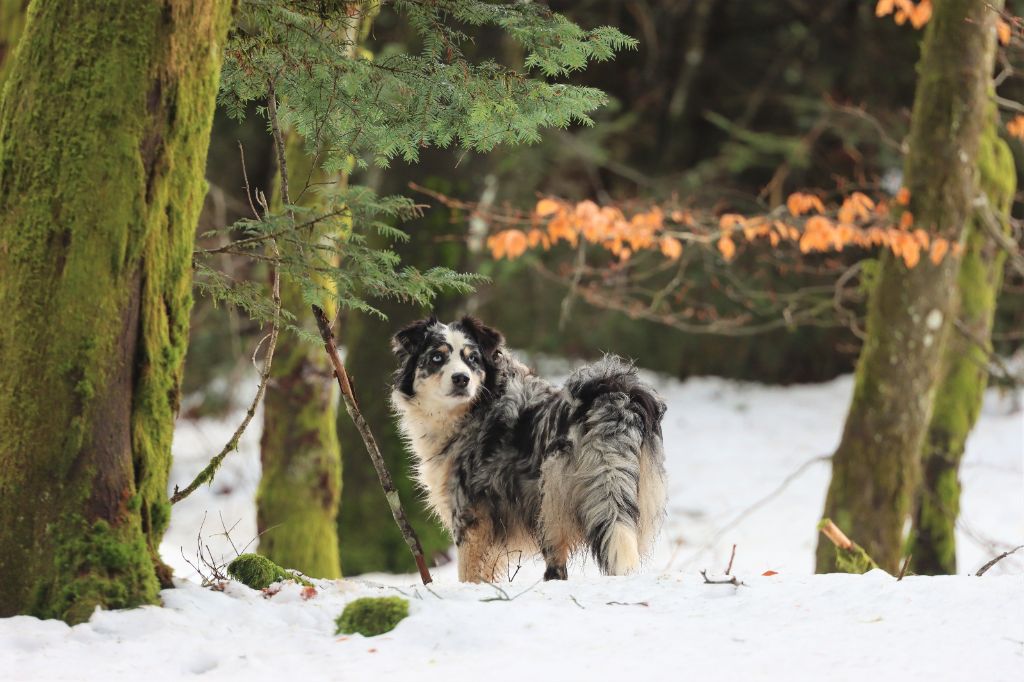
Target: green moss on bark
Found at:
x=371, y=616
x=12, y=22
x=103, y=136
x=876, y=468
x=964, y=377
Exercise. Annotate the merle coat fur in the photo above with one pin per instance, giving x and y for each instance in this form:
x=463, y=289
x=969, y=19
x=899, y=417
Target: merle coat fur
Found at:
x=510, y=462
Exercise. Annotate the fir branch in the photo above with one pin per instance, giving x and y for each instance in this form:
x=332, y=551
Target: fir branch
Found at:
x=348, y=397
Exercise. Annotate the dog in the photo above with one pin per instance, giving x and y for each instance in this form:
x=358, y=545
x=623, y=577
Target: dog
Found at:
x=508, y=462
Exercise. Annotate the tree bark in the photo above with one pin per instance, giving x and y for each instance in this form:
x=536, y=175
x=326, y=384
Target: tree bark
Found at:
x=103, y=140
x=12, y=22
x=876, y=467
x=964, y=371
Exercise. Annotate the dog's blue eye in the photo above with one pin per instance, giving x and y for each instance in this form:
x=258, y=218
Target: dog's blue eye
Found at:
x=436, y=358
x=474, y=358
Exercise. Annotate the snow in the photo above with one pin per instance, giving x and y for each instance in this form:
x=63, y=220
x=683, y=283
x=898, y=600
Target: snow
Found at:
x=746, y=467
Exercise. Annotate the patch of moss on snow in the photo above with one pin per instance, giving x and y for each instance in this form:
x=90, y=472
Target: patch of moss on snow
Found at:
x=259, y=572
x=372, y=616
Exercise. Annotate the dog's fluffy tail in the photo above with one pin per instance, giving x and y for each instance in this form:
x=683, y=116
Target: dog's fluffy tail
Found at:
x=619, y=463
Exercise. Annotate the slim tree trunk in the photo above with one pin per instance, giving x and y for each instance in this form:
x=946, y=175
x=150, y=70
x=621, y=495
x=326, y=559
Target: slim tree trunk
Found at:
x=103, y=140
x=300, y=490
x=876, y=467
x=964, y=374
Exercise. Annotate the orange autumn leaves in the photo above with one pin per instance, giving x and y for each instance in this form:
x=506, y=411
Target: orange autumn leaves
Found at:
x=1016, y=127
x=607, y=226
x=919, y=12
x=859, y=221
x=806, y=222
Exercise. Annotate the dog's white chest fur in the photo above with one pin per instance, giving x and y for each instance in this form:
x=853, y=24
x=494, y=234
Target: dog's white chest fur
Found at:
x=428, y=433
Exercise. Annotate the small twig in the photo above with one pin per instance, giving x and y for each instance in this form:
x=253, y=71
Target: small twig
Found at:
x=574, y=285
x=994, y=227
x=232, y=247
x=427, y=588
x=904, y=567
x=245, y=176
x=386, y=482
x=625, y=603
x=206, y=475
x=577, y=603
x=733, y=580
x=993, y=562
x=503, y=595
x=850, y=557
x=275, y=128
x=728, y=569
x=836, y=535
x=227, y=531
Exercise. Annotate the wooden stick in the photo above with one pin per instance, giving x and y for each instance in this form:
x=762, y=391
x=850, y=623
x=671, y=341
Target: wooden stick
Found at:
x=352, y=407
x=833, y=533
x=728, y=569
x=732, y=580
x=904, y=567
x=850, y=557
x=993, y=562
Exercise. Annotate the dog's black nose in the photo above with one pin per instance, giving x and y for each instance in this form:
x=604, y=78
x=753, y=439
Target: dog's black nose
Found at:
x=460, y=380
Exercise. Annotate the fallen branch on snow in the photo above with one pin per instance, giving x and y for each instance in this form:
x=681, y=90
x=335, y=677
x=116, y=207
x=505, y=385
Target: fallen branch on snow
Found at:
x=731, y=580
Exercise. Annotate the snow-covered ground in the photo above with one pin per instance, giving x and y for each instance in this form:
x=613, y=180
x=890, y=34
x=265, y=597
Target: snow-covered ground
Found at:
x=746, y=467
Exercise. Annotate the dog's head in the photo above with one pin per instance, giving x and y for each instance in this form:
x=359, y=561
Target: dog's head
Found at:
x=445, y=367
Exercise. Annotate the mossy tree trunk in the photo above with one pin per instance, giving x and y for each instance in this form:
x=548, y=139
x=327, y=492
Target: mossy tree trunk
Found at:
x=875, y=470
x=300, y=489
x=103, y=140
x=12, y=22
x=964, y=374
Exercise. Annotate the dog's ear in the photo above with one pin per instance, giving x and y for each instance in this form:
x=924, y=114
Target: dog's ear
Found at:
x=487, y=338
x=409, y=338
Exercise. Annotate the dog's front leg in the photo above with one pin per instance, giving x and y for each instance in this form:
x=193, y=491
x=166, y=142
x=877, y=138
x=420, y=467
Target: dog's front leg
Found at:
x=474, y=544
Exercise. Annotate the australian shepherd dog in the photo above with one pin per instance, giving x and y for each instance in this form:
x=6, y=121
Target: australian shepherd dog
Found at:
x=511, y=463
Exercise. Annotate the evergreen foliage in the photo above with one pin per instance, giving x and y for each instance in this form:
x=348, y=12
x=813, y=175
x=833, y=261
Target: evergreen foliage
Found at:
x=353, y=112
